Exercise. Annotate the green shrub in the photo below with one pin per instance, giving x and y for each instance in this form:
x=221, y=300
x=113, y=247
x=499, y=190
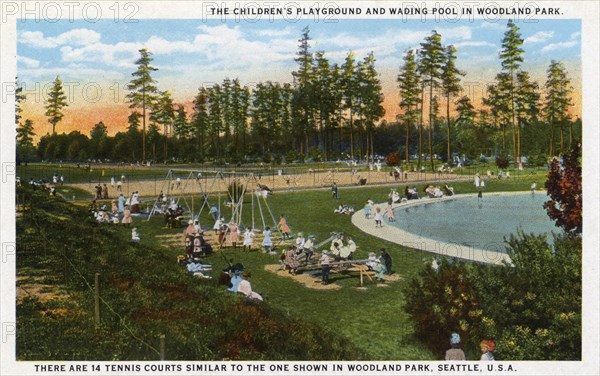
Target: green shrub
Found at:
x=502, y=161
x=393, y=158
x=443, y=302
x=531, y=309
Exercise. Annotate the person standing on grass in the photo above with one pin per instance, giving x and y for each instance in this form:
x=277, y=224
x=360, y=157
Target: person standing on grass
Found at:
x=248, y=239
x=455, y=352
x=214, y=212
x=334, y=191
x=325, y=262
x=267, y=243
x=283, y=227
x=104, y=191
x=234, y=232
x=121, y=205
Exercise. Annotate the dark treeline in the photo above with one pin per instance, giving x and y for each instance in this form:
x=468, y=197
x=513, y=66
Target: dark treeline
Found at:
x=330, y=111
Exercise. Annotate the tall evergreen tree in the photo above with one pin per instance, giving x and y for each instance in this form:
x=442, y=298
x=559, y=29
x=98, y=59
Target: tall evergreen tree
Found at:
x=163, y=114
x=451, y=87
x=350, y=89
x=181, y=126
x=371, y=98
x=526, y=104
x=430, y=67
x=557, y=101
x=511, y=57
x=20, y=97
x=57, y=100
x=408, y=82
x=303, y=99
x=25, y=149
x=142, y=90
x=200, y=122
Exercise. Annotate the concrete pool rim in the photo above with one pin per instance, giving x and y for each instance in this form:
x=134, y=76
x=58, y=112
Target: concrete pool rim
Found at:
x=488, y=254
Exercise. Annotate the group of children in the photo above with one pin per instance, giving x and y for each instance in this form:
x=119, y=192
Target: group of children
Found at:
x=486, y=346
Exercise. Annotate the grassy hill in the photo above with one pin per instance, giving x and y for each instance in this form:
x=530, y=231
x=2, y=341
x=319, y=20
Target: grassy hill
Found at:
x=144, y=294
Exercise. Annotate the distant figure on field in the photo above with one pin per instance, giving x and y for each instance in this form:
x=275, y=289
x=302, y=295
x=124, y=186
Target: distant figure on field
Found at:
x=334, y=192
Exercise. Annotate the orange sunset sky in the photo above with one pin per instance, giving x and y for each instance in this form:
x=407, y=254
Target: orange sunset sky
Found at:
x=95, y=61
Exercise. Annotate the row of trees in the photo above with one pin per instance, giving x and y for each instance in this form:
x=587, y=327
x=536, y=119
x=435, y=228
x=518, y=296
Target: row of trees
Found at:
x=331, y=111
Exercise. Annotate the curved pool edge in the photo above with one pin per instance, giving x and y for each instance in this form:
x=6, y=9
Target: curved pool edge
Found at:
x=399, y=236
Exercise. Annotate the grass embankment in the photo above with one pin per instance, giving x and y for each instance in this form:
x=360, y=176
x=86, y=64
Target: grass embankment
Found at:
x=144, y=294
x=371, y=322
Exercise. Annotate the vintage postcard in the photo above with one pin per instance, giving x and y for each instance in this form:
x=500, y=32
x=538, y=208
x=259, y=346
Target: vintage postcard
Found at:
x=299, y=188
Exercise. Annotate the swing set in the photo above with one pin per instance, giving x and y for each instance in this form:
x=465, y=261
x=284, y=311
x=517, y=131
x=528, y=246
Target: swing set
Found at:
x=210, y=189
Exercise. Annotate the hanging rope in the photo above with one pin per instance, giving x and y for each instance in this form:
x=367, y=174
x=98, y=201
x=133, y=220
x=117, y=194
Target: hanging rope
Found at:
x=270, y=212
x=261, y=213
x=253, y=210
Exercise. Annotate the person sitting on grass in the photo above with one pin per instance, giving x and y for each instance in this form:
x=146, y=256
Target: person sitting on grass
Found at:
x=336, y=245
x=374, y=263
x=245, y=288
x=236, y=279
x=308, y=248
x=300, y=240
x=127, y=219
x=135, y=235
x=386, y=260
x=448, y=191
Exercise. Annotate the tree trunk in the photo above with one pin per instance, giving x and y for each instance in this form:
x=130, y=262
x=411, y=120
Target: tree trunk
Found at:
x=448, y=126
x=551, y=139
x=518, y=142
x=570, y=136
x=421, y=128
x=351, y=135
x=561, y=139
x=407, y=158
x=372, y=146
x=143, y=125
x=430, y=132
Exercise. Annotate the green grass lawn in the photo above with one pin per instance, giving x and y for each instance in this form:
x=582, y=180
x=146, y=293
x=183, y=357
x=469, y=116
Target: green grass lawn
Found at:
x=373, y=318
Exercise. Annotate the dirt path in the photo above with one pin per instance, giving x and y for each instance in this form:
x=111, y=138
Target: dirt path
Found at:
x=319, y=179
